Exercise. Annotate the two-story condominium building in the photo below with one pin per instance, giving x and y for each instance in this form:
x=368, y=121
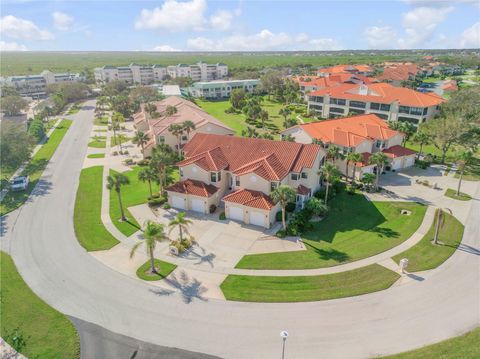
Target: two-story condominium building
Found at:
x=240, y=173
x=200, y=71
x=309, y=84
x=157, y=127
x=131, y=74
x=365, y=134
x=221, y=88
x=386, y=101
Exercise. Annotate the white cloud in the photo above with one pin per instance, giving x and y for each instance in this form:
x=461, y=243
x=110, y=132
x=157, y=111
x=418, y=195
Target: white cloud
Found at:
x=165, y=48
x=380, y=37
x=470, y=38
x=11, y=46
x=262, y=41
x=222, y=20
x=18, y=28
x=62, y=21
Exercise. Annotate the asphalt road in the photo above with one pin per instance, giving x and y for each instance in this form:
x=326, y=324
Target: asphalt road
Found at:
x=41, y=239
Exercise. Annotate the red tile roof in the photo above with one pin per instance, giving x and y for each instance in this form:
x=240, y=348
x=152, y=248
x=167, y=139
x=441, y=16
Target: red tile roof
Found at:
x=382, y=93
x=193, y=187
x=398, y=151
x=303, y=190
x=345, y=68
x=249, y=198
x=272, y=160
x=398, y=72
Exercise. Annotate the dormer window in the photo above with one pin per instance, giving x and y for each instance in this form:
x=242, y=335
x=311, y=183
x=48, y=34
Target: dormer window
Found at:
x=215, y=176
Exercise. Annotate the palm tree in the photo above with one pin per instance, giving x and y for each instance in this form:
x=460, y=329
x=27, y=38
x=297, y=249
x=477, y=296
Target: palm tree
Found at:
x=368, y=179
x=284, y=195
x=464, y=158
x=153, y=233
x=285, y=112
x=188, y=126
x=162, y=158
x=176, y=130
x=171, y=110
x=115, y=182
x=378, y=159
x=422, y=139
x=181, y=223
x=439, y=222
x=147, y=175
x=333, y=153
x=330, y=173
x=263, y=117
x=353, y=157
x=117, y=118
x=141, y=139
x=408, y=129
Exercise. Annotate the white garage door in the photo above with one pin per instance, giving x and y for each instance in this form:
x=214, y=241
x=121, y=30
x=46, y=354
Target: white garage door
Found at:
x=409, y=161
x=198, y=205
x=257, y=219
x=178, y=202
x=235, y=213
x=397, y=164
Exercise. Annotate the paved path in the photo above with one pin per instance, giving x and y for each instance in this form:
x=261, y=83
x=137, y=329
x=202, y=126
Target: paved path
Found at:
x=42, y=242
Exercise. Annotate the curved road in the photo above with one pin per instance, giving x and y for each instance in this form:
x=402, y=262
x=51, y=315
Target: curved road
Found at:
x=41, y=239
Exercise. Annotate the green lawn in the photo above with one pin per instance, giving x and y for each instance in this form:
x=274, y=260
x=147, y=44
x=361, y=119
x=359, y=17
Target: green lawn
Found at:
x=463, y=347
x=35, y=168
x=101, y=121
x=163, y=269
x=133, y=194
x=364, y=280
x=96, y=155
x=123, y=138
x=47, y=333
x=98, y=142
x=354, y=229
x=453, y=194
x=74, y=109
x=89, y=229
x=426, y=255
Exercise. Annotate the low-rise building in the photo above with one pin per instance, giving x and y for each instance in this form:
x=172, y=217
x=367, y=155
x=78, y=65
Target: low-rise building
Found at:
x=384, y=100
x=364, y=70
x=241, y=173
x=221, y=88
x=364, y=134
x=397, y=73
x=156, y=125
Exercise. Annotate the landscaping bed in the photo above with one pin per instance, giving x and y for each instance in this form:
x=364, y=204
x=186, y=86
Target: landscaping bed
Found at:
x=98, y=142
x=453, y=194
x=96, y=155
x=163, y=268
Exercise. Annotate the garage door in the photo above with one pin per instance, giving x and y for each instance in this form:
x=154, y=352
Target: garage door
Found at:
x=409, y=161
x=397, y=164
x=257, y=219
x=235, y=213
x=178, y=202
x=198, y=205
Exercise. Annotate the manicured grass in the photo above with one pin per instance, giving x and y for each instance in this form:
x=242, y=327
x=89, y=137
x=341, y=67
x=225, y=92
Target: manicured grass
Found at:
x=354, y=229
x=217, y=110
x=364, y=280
x=89, y=229
x=123, y=138
x=101, y=121
x=133, y=194
x=100, y=130
x=426, y=255
x=47, y=332
x=96, y=155
x=35, y=168
x=163, y=269
x=431, y=149
x=453, y=194
x=98, y=142
x=465, y=347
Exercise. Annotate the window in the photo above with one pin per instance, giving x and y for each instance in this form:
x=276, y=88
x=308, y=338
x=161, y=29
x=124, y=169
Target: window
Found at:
x=184, y=138
x=181, y=172
x=404, y=109
x=378, y=144
x=273, y=186
x=425, y=110
x=381, y=115
x=304, y=175
x=237, y=181
x=337, y=110
x=417, y=111
x=338, y=101
x=316, y=99
x=316, y=107
x=162, y=139
x=215, y=176
x=357, y=104
x=294, y=176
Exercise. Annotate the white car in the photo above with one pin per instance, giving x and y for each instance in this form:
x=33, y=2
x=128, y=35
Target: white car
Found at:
x=19, y=183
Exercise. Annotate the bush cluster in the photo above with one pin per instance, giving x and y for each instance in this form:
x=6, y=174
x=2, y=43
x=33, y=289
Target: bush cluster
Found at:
x=222, y=216
x=156, y=201
x=36, y=129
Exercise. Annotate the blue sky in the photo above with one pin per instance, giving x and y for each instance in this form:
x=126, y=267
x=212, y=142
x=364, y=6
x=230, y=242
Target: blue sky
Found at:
x=203, y=25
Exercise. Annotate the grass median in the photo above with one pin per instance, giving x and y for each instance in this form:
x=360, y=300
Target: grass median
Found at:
x=453, y=194
x=364, y=280
x=40, y=330
x=163, y=269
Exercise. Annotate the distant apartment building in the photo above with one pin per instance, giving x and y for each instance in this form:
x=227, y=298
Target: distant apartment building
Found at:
x=35, y=86
x=148, y=74
x=397, y=73
x=221, y=89
x=308, y=84
x=388, y=102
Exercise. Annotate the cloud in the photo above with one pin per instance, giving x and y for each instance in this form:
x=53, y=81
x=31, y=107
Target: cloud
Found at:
x=17, y=28
x=380, y=37
x=470, y=38
x=11, y=46
x=165, y=48
x=222, y=20
x=262, y=41
x=62, y=21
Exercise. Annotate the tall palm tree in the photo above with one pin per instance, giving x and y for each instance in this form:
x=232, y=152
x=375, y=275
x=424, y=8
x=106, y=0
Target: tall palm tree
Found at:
x=368, y=179
x=188, y=126
x=422, y=139
x=464, y=158
x=115, y=182
x=141, y=139
x=170, y=110
x=117, y=118
x=263, y=117
x=330, y=173
x=176, y=130
x=153, y=233
x=284, y=195
x=285, y=112
x=353, y=157
x=380, y=160
x=181, y=223
x=162, y=158
x=148, y=175
x=334, y=153
x=439, y=222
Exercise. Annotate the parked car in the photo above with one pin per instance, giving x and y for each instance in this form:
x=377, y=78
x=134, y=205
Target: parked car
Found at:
x=19, y=183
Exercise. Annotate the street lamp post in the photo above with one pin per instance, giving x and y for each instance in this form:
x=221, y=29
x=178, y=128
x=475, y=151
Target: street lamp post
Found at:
x=284, y=336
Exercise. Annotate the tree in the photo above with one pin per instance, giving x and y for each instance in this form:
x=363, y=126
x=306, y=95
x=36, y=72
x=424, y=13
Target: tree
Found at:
x=444, y=132
x=439, y=222
x=13, y=105
x=272, y=82
x=15, y=146
x=151, y=109
x=334, y=153
x=148, y=175
x=353, y=157
x=176, y=130
x=285, y=112
x=288, y=138
x=250, y=132
x=121, y=104
x=140, y=139
x=289, y=122
x=36, y=129
x=330, y=174
x=380, y=160
x=316, y=206
x=143, y=94
x=408, y=130
x=263, y=117
x=115, y=182
x=463, y=160
x=181, y=223
x=117, y=118
x=422, y=139
x=237, y=98
x=153, y=233
x=284, y=195
x=368, y=179
x=114, y=88
x=162, y=158
x=188, y=126
x=171, y=110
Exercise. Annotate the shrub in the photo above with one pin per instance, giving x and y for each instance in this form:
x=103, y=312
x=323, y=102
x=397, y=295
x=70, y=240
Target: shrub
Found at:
x=155, y=195
x=422, y=164
x=156, y=202
x=167, y=206
x=125, y=152
x=212, y=208
x=222, y=216
x=114, y=153
x=320, y=194
x=281, y=233
x=129, y=162
x=315, y=206
x=300, y=222
x=338, y=186
x=350, y=189
x=278, y=216
x=143, y=162
x=290, y=207
x=36, y=129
